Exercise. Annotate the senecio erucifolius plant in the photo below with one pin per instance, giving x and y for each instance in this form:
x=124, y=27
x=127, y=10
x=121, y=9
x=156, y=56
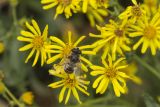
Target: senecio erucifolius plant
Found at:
x=90, y=48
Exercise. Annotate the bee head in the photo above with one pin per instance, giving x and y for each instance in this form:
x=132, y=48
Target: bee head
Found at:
x=76, y=51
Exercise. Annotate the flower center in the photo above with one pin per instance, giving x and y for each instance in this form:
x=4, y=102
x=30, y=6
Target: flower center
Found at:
x=70, y=82
x=136, y=11
x=65, y=2
x=118, y=32
x=111, y=72
x=150, y=32
x=67, y=50
x=38, y=42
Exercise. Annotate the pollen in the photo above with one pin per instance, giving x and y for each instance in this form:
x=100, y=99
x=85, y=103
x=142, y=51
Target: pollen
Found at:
x=136, y=11
x=118, y=32
x=111, y=72
x=38, y=42
x=67, y=50
x=150, y=32
x=70, y=82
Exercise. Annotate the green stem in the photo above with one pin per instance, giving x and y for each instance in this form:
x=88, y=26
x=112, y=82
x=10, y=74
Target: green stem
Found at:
x=147, y=66
x=14, y=15
x=12, y=96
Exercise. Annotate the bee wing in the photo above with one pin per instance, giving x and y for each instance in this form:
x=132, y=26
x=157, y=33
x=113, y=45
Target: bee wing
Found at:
x=77, y=69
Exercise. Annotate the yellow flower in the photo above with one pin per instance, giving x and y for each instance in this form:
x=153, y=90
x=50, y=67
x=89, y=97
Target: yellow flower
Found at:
x=102, y=3
x=132, y=12
x=36, y=41
x=113, y=39
x=147, y=29
x=131, y=70
x=2, y=47
x=63, y=50
x=110, y=72
x=96, y=15
x=63, y=6
x=1, y=88
x=94, y=4
x=151, y=6
x=87, y=3
x=69, y=82
x=27, y=97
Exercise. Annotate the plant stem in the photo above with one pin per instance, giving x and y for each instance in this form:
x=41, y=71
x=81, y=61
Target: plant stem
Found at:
x=147, y=66
x=11, y=95
x=14, y=15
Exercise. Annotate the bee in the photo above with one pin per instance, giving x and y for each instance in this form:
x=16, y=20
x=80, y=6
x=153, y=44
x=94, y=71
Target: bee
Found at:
x=73, y=61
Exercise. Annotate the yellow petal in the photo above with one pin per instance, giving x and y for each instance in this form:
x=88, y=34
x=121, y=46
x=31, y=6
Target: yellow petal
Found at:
x=27, y=34
x=94, y=67
x=30, y=55
x=105, y=86
x=116, y=90
x=26, y=47
x=101, y=84
x=45, y=32
x=82, y=90
x=57, y=40
x=96, y=82
x=61, y=95
x=69, y=38
x=86, y=61
x=24, y=39
x=95, y=73
x=89, y=52
x=79, y=40
x=36, y=58
x=35, y=25
x=54, y=58
x=68, y=95
x=31, y=28
x=45, y=7
x=75, y=93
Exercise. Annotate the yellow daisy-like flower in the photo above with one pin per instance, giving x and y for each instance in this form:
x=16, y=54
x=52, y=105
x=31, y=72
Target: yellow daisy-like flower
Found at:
x=36, y=41
x=131, y=70
x=94, y=4
x=132, y=12
x=71, y=83
x=96, y=15
x=63, y=50
x=27, y=98
x=2, y=48
x=63, y=6
x=87, y=3
x=1, y=88
x=147, y=29
x=102, y=3
x=111, y=72
x=151, y=6
x=113, y=38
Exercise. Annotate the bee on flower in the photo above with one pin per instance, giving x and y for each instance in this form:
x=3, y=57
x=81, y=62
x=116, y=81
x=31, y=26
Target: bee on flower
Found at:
x=147, y=31
x=113, y=38
x=36, y=42
x=63, y=51
x=70, y=83
x=133, y=13
x=110, y=72
x=63, y=6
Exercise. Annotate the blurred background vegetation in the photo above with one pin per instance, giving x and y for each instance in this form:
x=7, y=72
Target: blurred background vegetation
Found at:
x=20, y=77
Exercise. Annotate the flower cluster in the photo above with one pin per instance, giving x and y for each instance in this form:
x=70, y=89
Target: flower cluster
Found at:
x=94, y=9
x=138, y=23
